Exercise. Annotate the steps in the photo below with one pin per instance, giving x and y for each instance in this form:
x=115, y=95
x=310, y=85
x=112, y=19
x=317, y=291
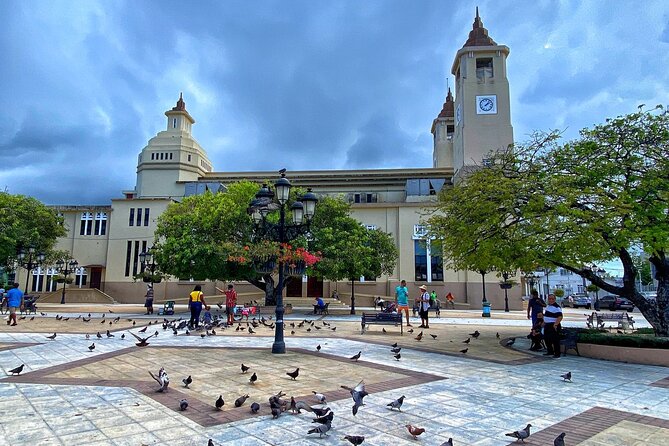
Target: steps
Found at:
x=77, y=296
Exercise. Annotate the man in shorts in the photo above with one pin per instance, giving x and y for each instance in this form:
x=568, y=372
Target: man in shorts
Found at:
x=230, y=303
x=15, y=301
x=402, y=299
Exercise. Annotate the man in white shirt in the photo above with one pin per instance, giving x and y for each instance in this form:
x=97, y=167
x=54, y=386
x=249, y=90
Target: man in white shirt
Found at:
x=552, y=319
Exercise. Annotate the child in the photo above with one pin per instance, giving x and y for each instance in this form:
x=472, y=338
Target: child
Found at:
x=148, y=303
x=207, y=315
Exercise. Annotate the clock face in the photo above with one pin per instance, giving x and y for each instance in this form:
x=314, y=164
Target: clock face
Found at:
x=486, y=105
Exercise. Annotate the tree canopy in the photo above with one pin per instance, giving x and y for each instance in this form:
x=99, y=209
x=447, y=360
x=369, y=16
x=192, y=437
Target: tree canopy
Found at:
x=593, y=199
x=25, y=222
x=211, y=236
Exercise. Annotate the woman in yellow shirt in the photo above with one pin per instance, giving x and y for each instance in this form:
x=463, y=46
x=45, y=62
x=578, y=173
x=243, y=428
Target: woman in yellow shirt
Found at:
x=195, y=303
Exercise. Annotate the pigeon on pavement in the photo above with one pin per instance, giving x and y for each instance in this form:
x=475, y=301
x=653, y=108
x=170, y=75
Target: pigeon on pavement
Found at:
x=91, y=347
x=219, y=402
x=415, y=431
x=396, y=349
x=239, y=401
x=161, y=379
x=475, y=335
x=354, y=439
x=187, y=381
x=17, y=370
x=245, y=368
x=320, y=397
x=321, y=430
x=467, y=341
x=327, y=418
x=210, y=442
x=318, y=348
x=183, y=404
x=464, y=351
x=398, y=356
x=255, y=407
x=52, y=337
x=357, y=393
x=397, y=404
x=510, y=342
x=566, y=376
x=253, y=378
x=356, y=356
x=521, y=434
x=448, y=443
x=559, y=440
x=294, y=374
x=142, y=341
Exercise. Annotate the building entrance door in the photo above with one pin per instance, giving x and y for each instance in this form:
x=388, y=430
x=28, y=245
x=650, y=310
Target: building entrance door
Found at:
x=314, y=287
x=96, y=278
x=294, y=287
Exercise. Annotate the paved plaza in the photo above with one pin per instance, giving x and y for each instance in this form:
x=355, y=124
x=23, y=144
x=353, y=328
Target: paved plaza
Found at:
x=68, y=395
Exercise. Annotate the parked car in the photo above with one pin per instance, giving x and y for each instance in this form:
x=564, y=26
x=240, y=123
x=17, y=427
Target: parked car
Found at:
x=579, y=300
x=615, y=303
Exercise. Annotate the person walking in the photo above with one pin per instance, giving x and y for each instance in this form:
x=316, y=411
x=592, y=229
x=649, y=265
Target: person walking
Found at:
x=535, y=306
x=402, y=299
x=195, y=303
x=148, y=303
x=230, y=303
x=424, y=306
x=15, y=302
x=552, y=319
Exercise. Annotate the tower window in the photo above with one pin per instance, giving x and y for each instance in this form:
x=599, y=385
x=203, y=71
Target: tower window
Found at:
x=484, y=68
x=174, y=123
x=171, y=155
x=152, y=156
x=189, y=158
x=162, y=156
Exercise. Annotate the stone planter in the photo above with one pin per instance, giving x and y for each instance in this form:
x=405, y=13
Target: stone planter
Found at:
x=294, y=269
x=648, y=356
x=264, y=265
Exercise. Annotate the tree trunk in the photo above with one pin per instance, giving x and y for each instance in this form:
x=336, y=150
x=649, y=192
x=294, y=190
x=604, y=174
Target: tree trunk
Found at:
x=267, y=286
x=660, y=306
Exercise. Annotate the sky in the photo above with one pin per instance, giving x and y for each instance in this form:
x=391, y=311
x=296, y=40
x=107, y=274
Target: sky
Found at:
x=300, y=84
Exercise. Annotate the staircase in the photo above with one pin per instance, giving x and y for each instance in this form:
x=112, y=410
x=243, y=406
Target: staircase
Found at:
x=307, y=303
x=77, y=296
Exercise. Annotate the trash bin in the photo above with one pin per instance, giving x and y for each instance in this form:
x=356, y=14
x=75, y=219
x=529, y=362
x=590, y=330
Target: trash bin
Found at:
x=486, y=309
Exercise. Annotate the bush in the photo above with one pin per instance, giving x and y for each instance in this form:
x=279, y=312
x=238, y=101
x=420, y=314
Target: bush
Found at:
x=642, y=338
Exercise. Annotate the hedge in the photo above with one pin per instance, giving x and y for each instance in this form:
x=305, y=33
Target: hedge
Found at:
x=642, y=338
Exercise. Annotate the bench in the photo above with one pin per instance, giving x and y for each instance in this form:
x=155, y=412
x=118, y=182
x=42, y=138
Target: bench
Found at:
x=598, y=320
x=382, y=319
x=322, y=310
x=569, y=339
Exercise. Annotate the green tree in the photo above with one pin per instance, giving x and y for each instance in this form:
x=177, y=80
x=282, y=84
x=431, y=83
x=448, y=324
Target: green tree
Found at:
x=24, y=222
x=349, y=249
x=593, y=199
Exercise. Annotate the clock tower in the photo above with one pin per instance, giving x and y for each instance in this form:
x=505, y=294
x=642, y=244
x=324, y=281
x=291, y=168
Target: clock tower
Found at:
x=482, y=105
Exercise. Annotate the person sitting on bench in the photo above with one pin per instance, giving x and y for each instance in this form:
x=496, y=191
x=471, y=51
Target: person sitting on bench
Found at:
x=380, y=303
x=319, y=305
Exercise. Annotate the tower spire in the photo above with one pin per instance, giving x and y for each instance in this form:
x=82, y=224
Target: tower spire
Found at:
x=478, y=36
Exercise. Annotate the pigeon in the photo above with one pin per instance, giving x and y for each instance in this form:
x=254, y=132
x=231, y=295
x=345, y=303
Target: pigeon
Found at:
x=245, y=368
x=396, y=349
x=319, y=412
x=253, y=378
x=219, y=402
x=510, y=342
x=325, y=418
x=464, y=351
x=419, y=337
x=356, y=356
x=99, y=335
x=187, y=381
x=123, y=336
x=410, y=330
x=299, y=406
x=52, y=337
x=142, y=341
x=566, y=377
x=294, y=374
x=91, y=347
x=161, y=379
x=434, y=336
x=88, y=336
x=210, y=442
x=384, y=330
x=467, y=341
x=109, y=335
x=86, y=320
x=394, y=345
x=318, y=348
x=239, y=401
x=17, y=370
x=521, y=434
x=321, y=430
x=143, y=330
x=357, y=393
x=475, y=335
x=251, y=330
x=354, y=439
x=448, y=443
x=397, y=404
x=183, y=404
x=102, y=321
x=414, y=431
x=255, y=407
x=497, y=335
x=559, y=440
x=320, y=397
x=398, y=357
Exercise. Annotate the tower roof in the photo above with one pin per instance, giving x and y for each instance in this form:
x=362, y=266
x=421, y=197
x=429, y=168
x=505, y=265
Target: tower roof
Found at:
x=180, y=109
x=181, y=105
x=447, y=111
x=478, y=36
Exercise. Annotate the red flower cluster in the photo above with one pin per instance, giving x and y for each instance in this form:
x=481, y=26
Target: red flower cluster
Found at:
x=291, y=256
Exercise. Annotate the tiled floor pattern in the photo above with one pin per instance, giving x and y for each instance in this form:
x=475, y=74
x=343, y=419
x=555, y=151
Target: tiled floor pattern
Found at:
x=476, y=405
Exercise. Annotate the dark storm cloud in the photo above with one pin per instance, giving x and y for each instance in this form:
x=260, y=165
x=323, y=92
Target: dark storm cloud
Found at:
x=298, y=84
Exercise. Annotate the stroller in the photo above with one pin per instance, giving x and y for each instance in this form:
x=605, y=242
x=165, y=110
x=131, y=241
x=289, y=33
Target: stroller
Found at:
x=390, y=308
x=29, y=305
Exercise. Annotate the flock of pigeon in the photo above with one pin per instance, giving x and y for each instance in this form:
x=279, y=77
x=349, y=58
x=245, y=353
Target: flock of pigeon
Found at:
x=324, y=416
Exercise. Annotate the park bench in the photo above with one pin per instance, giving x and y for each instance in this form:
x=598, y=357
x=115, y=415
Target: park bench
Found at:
x=569, y=339
x=323, y=310
x=599, y=320
x=382, y=319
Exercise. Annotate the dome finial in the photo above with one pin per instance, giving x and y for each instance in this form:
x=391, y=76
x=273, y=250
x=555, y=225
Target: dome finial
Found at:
x=181, y=105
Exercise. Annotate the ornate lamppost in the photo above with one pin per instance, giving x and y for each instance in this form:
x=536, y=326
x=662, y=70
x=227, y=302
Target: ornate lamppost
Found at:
x=531, y=278
x=303, y=212
x=505, y=285
x=66, y=267
x=29, y=264
x=596, y=271
x=148, y=264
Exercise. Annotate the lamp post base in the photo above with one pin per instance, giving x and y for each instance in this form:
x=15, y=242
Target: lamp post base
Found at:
x=279, y=347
